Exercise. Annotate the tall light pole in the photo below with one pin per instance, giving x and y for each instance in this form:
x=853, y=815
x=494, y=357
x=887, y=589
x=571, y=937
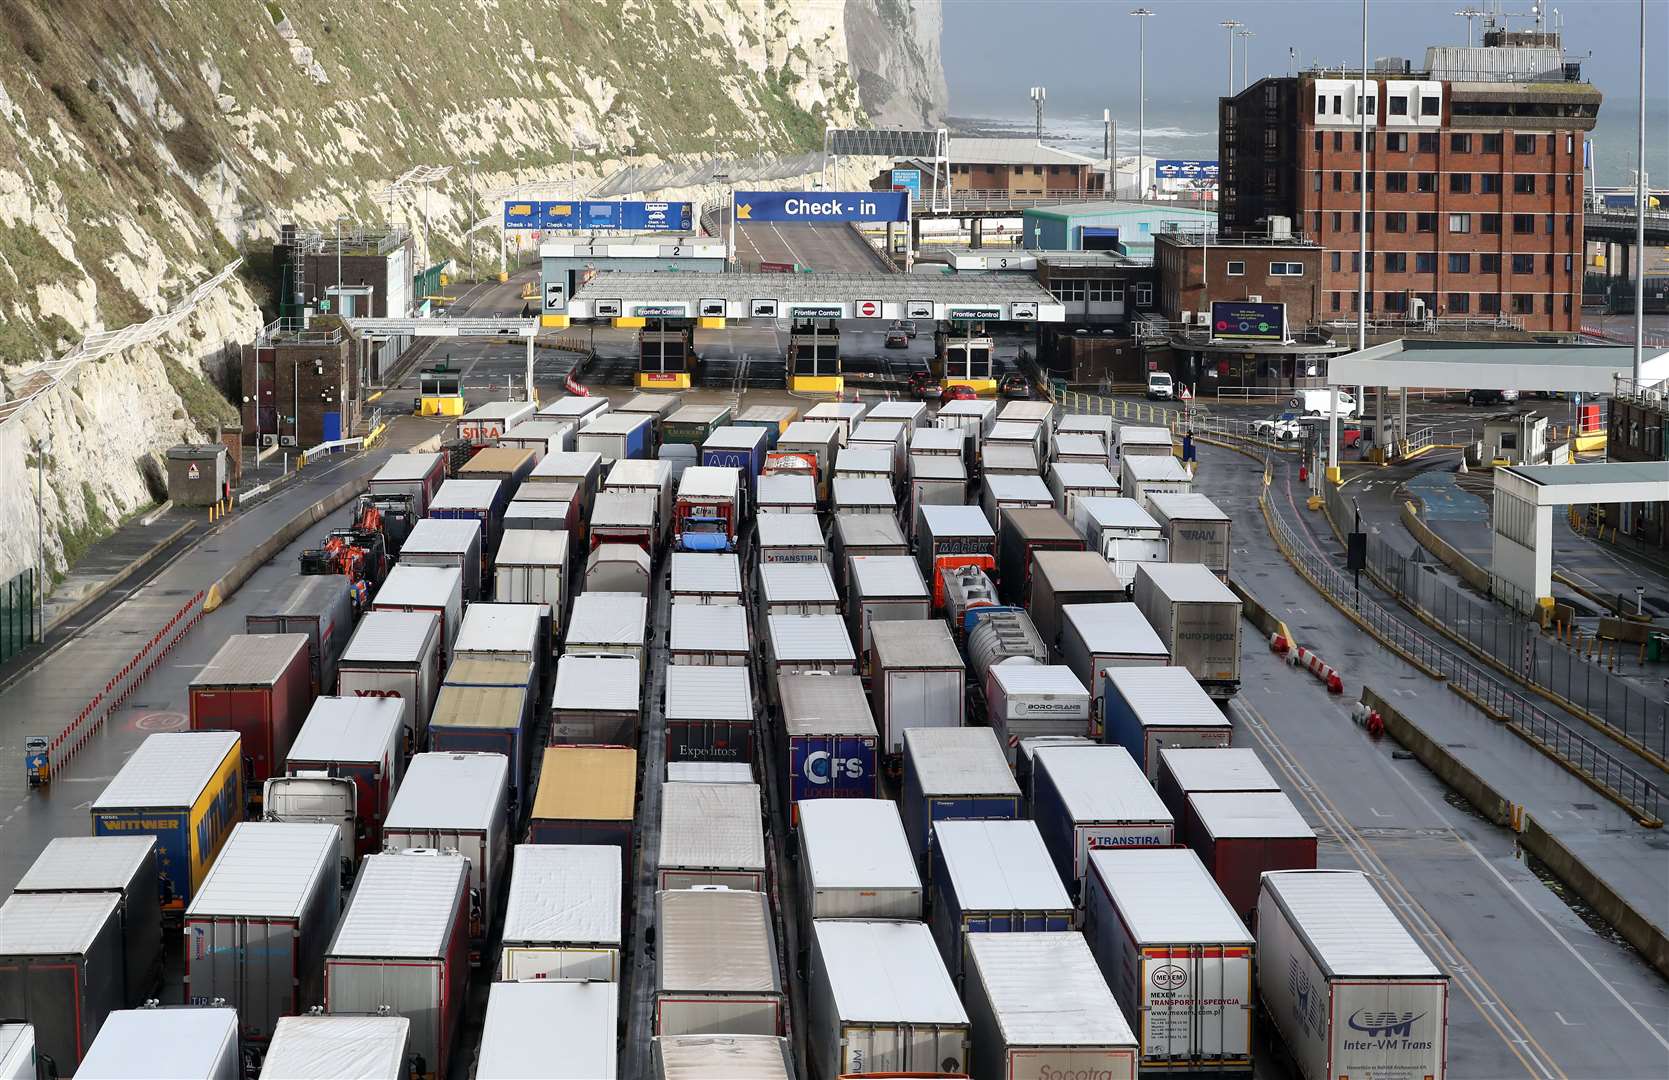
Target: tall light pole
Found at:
x=1038, y=94
x=1245, y=55
x=1142, y=14
x=41, y=450
x=1639, y=266
x=1231, y=25
x=470, y=225
x=1362, y=229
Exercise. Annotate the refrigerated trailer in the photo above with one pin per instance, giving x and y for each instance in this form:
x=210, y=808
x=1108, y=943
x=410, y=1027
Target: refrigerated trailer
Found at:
x=1177, y=957
x=832, y=742
x=714, y=635
x=716, y=967
x=426, y=588
x=446, y=542
x=917, y=679
x=1142, y=476
x=705, y=578
x=457, y=802
x=331, y=1047
x=1198, y=619
x=855, y=861
x=1022, y=700
x=992, y=877
x=786, y=493
x=808, y=643
x=191, y=1043
x=549, y=1030
x=1095, y=637
x=617, y=436
x=256, y=932
x=708, y=713
x=359, y=740
x=125, y=866
x=1184, y=770
x=396, y=654
x=1088, y=797
x=319, y=606
x=790, y=538
x=563, y=918
x=596, y=700
x=533, y=568
x=1038, y=1006
x=953, y=774
x=1198, y=532
x=711, y=834
x=1122, y=532
x=882, y=588
x=260, y=686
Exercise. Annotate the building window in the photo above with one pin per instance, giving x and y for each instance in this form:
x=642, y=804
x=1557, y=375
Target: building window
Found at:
x=1524, y=184
x=1489, y=223
x=1549, y=229
x=1524, y=144
x=1567, y=312
x=1524, y=224
x=1524, y=264
x=1338, y=181
x=1396, y=181
x=1067, y=291
x=1460, y=223
x=1492, y=143
x=1396, y=221
x=1395, y=262
x=1317, y=182
x=1429, y=106
x=1570, y=185
x=1316, y=215
x=1460, y=303
x=1426, y=182
x=1524, y=304
x=1338, y=136
x=1489, y=304
x=1570, y=143
x=1396, y=301
x=1318, y=137
x=1398, y=104
x=1425, y=222
x=1396, y=141
x=1489, y=184
x=1338, y=221
x=1460, y=262
x=1567, y=263
x=1547, y=298
x=1425, y=262
x=1333, y=299
x=1428, y=142
x=1103, y=292
x=1372, y=104
x=1144, y=294
x=1237, y=268
x=1489, y=264
x=1321, y=109
x=1356, y=141
x=1460, y=144
x=1335, y=261
x=1054, y=170
x=1460, y=183
x=1286, y=269
x=1552, y=148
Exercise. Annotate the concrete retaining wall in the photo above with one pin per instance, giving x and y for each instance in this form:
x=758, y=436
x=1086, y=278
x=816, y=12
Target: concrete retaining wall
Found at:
x=1447, y=554
x=233, y=579
x=1444, y=765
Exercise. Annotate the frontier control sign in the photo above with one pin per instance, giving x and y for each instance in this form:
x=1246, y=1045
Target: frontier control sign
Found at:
x=822, y=206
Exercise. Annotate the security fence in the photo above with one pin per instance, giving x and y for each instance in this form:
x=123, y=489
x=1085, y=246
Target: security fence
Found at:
x=20, y=614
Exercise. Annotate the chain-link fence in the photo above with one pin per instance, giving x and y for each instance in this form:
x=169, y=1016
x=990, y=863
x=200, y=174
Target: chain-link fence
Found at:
x=20, y=615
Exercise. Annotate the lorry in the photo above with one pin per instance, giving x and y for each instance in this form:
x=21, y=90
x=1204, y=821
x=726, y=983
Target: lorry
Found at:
x=1025, y=759
x=1095, y=637
x=617, y=436
x=864, y=495
x=402, y=947
x=416, y=475
x=1023, y=533
x=855, y=861
x=968, y=591
x=418, y=589
x=1060, y=578
x=1081, y=448
x=972, y=418
x=844, y=415
x=832, y=742
x=1145, y=475
x=540, y=436
x=786, y=493
x=1132, y=440
x=953, y=773
x=609, y=624
x=789, y=538
x=1351, y=991
x=1098, y=425
x=1023, y=699
x=359, y=746
x=917, y=680
x=123, y=866
x=739, y=448
x=991, y=876
x=1197, y=530
x=509, y=465
x=474, y=500
x=772, y=419
x=396, y=654
x=1088, y=797
x=532, y=568
x=693, y=425
x=806, y=448
x=853, y=535
x=709, y=512
x=912, y=414
x=1122, y=532
x=711, y=834
x=578, y=408
x=888, y=437
x=721, y=1057
x=948, y=537
x=256, y=932
x=880, y=1001
x=1184, y=770
x=563, y=918
x=597, y=699
x=705, y=578
x=1011, y=458
x=709, y=713
x=716, y=966
x=882, y=588
x=1038, y=1006
x=448, y=542
x=484, y=424
x=495, y=720
x=457, y=802
x=711, y=634
x=933, y=480
x=1242, y=835
x=939, y=442
x=618, y=568
x=563, y=476
x=798, y=644
x=1002, y=635
x=1070, y=482
x=181, y=1044
x=619, y=517
x=655, y=406
x=186, y=789
x=1146, y=709
x=61, y=969
x=368, y=1047
x=542, y=1028
x=260, y=686
x=1177, y=957
x=541, y=515
x=1198, y=619
x=587, y=795
x=319, y=606
x=859, y=461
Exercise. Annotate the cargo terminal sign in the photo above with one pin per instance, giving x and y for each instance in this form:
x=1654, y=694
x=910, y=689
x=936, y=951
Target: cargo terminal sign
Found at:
x=822, y=206
x=1244, y=320
x=568, y=215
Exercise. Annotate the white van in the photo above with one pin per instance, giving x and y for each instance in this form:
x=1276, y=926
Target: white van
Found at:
x=1159, y=386
x=1320, y=402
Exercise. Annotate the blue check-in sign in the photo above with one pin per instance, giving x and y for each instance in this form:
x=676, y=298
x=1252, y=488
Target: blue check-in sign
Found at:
x=822, y=206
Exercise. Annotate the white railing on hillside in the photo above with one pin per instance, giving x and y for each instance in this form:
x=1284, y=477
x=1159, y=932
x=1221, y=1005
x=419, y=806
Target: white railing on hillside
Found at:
x=31, y=382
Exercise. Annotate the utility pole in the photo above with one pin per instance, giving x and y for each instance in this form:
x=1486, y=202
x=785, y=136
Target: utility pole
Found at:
x=1142, y=15
x=1038, y=94
x=1231, y=25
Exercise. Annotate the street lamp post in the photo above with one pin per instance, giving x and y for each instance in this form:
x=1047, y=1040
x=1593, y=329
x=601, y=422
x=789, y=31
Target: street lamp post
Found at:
x=1231, y=25
x=1142, y=14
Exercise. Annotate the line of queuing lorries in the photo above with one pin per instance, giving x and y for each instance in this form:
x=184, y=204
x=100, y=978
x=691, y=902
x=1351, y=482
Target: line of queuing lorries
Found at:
x=1024, y=845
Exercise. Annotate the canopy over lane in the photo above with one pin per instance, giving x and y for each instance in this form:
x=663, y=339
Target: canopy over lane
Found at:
x=1594, y=482
x=1480, y=365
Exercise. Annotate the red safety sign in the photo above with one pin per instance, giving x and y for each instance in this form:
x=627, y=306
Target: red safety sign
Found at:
x=869, y=309
x=1186, y=395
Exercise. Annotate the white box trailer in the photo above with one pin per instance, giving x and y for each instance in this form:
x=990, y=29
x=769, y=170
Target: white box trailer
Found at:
x=1198, y=619
x=1184, y=770
x=1068, y=577
x=646, y=476
x=934, y=480
x=1136, y=441
x=972, y=418
x=549, y=1030
x=505, y=630
x=912, y=414
x=795, y=589
x=563, y=918
x=721, y=1057
x=716, y=964
x=801, y=644
x=1177, y=957
x=626, y=517
x=790, y=538
x=1018, y=433
x=426, y=588
x=483, y=424
x=456, y=802
x=395, y=654
x=854, y=535
x=786, y=493
x=1144, y=475
x=617, y=436
x=609, y=624
x=1025, y=759
x=575, y=407
x=709, y=713
x=417, y=475
x=711, y=834
x=891, y=437
x=256, y=932
x=333, y=1047
x=1013, y=491
x=709, y=772
x=597, y=700
x=1081, y=448
x=447, y=542
x=939, y=442
x=1097, y=424
x=880, y=1001
x=1039, y=1007
x=1088, y=797
x=1198, y=532
x=917, y=679
x=1350, y=990
x=541, y=515
x=855, y=861
x=564, y=475
x=1011, y=459
x=715, y=635
x=1070, y=482
x=1095, y=637
x=1023, y=700
x=883, y=588
x=992, y=877
x=953, y=773
x=362, y=742
x=540, y=436
x=619, y=568
x=177, y=1043
x=403, y=945
x=858, y=461
x=1145, y=709
x=844, y=415
x=864, y=495
x=532, y=568
x=703, y=578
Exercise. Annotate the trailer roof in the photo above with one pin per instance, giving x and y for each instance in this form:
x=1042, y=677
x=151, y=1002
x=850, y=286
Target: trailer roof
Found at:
x=564, y=893
x=574, y=405
x=1115, y=627
x=1166, y=697
x=773, y=413
x=809, y=430
x=885, y=972
x=615, y=423
x=536, y=510
x=401, y=468
x=267, y=869
x=697, y=413
x=451, y=790
x=442, y=536
x=937, y=467
x=1083, y=474
x=956, y=520
x=712, y=481
x=567, y=465
x=1093, y=423
x=810, y=638
x=914, y=644
x=587, y=783
x=326, y=1047
x=709, y=628
x=530, y=547
x=711, y=826
x=897, y=410
x=1348, y=926
x=1099, y=783
x=1217, y=768
x=1079, y=444
x=821, y=704
x=1076, y=571
x=419, y=586
x=549, y=1030
x=633, y=509
x=856, y=844
x=478, y=671
x=536, y=428
x=1185, y=507
x=1037, y=679
x=702, y=692
x=251, y=660
x=1013, y=487
x=1188, y=583
x=384, y=637
x=404, y=904
x=1046, y=990
x=850, y=410
x=87, y=864
x=731, y=437
x=657, y=404
x=465, y=494
x=722, y=1057
x=789, y=530
x=1111, y=512
x=492, y=627
x=1166, y=896
x=957, y=760
x=882, y=429
x=608, y=618
x=715, y=940
x=49, y=924
x=889, y=577
x=999, y=866
x=1009, y=456
x=1009, y=430
x=786, y=489
x=867, y=530
x=709, y=772
x=497, y=707
x=1229, y=814
x=968, y=407
x=493, y=410
x=598, y=684
x=802, y=583
x=350, y=729
x=170, y=769
x=313, y=594
x=700, y=572
x=862, y=491
x=1039, y=522
x=1136, y=435
x=944, y=441
x=161, y=1042
x=1161, y=467
x=855, y=459
x=494, y=459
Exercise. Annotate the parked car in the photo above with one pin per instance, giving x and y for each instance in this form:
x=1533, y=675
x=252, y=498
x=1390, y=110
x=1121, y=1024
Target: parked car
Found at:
x=1491, y=397
x=926, y=386
x=1159, y=386
x=1282, y=428
x=1015, y=386
x=897, y=339
x=1320, y=402
x=958, y=392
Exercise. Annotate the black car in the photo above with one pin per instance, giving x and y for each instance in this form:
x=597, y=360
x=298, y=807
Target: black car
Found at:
x=1015, y=387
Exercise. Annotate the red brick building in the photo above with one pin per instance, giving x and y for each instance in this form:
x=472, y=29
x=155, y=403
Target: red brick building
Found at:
x=1474, y=177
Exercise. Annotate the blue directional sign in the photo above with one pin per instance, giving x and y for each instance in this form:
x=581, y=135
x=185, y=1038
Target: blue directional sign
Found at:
x=572, y=214
x=522, y=215
x=1181, y=169
x=822, y=206
x=657, y=216
x=907, y=180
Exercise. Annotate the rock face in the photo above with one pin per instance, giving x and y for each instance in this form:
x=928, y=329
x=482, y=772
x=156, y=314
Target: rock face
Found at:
x=144, y=145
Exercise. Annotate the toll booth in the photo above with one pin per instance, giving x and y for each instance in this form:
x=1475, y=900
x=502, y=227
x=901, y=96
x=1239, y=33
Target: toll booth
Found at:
x=963, y=356
x=440, y=391
x=666, y=357
x=814, y=357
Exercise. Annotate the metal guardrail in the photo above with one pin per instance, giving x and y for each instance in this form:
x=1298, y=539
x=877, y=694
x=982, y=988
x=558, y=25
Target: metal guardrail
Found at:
x=1652, y=341
x=1643, y=393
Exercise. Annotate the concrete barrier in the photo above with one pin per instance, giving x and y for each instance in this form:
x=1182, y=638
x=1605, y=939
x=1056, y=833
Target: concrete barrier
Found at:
x=233, y=579
x=1436, y=757
x=1447, y=554
x=1260, y=616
